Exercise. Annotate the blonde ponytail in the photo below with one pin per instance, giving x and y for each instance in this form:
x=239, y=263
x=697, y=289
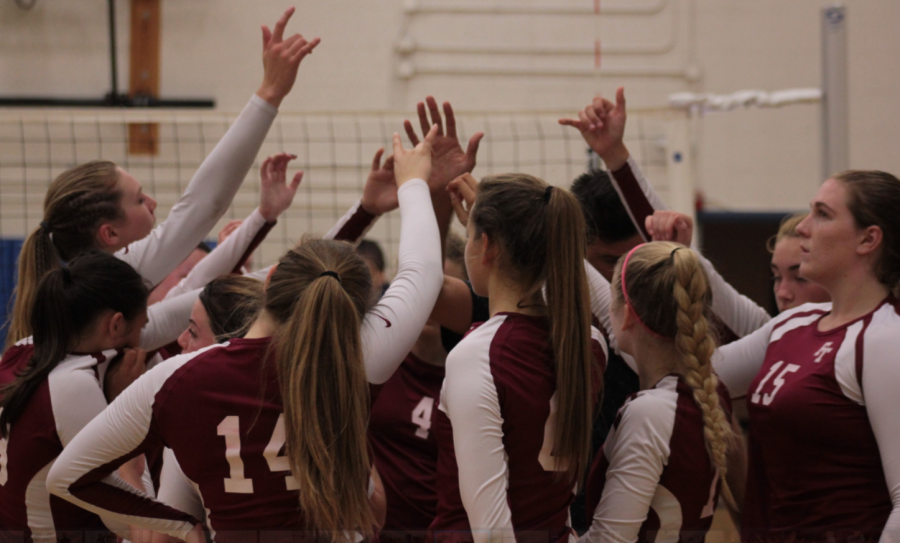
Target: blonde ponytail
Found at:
x=318, y=294
x=695, y=343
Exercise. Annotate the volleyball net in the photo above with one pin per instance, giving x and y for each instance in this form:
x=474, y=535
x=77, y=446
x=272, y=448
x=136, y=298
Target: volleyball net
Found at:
x=334, y=149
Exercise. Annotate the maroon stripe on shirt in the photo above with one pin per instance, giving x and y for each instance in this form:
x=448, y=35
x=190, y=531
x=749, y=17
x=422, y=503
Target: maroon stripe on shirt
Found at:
x=257, y=239
x=353, y=229
x=635, y=200
x=91, y=489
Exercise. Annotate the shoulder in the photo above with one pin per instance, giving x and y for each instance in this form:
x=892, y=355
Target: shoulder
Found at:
x=797, y=317
x=652, y=407
x=468, y=369
x=169, y=372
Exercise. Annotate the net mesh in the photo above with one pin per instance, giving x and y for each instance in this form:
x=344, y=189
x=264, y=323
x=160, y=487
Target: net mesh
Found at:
x=334, y=149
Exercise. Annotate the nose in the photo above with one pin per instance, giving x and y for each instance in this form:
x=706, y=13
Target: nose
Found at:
x=151, y=204
x=784, y=293
x=183, y=340
x=802, y=228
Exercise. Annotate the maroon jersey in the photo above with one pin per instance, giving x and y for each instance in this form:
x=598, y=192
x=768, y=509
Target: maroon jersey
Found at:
x=815, y=465
x=404, y=446
x=58, y=409
x=220, y=411
x=654, y=475
x=495, y=428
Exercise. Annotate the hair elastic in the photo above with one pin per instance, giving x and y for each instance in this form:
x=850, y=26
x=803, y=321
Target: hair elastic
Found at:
x=45, y=226
x=548, y=193
x=625, y=292
x=331, y=274
x=675, y=250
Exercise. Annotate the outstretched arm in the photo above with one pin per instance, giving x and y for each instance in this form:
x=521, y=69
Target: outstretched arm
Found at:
x=275, y=198
x=218, y=179
x=391, y=327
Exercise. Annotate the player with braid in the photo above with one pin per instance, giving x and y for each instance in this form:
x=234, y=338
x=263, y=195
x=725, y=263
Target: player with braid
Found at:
x=665, y=459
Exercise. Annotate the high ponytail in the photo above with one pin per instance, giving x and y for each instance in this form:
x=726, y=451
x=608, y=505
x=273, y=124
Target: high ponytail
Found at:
x=319, y=295
x=67, y=303
x=76, y=204
x=541, y=231
x=669, y=291
x=568, y=306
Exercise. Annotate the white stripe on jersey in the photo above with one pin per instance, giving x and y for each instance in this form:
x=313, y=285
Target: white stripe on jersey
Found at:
x=668, y=509
x=793, y=324
x=845, y=364
x=37, y=507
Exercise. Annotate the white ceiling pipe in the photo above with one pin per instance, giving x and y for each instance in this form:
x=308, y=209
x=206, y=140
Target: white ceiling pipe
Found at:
x=417, y=7
x=409, y=46
x=407, y=70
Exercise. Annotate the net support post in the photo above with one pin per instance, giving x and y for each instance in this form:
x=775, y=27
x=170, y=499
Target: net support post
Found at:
x=835, y=125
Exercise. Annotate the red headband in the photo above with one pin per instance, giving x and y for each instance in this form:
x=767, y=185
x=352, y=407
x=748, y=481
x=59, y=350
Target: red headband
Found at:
x=625, y=292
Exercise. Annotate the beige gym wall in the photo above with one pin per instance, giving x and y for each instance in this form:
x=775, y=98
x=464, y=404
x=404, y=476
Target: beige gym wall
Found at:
x=748, y=160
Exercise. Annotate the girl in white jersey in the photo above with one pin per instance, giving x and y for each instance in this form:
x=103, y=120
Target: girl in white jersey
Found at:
x=99, y=205
x=660, y=468
x=822, y=379
x=58, y=381
x=253, y=447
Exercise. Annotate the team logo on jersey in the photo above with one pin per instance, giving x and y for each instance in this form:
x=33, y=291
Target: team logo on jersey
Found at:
x=825, y=349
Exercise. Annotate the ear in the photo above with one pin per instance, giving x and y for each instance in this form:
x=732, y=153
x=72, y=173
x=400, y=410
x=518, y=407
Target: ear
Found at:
x=629, y=319
x=870, y=240
x=117, y=326
x=107, y=236
x=489, y=250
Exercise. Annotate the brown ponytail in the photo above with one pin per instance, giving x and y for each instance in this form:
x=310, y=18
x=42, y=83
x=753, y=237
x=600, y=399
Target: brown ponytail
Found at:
x=670, y=292
x=541, y=231
x=77, y=202
x=319, y=295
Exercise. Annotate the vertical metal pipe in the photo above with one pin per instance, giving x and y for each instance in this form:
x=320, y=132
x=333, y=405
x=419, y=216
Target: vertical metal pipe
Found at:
x=112, y=49
x=835, y=125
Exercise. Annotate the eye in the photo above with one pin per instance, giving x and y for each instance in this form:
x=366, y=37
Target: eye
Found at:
x=192, y=333
x=776, y=279
x=801, y=280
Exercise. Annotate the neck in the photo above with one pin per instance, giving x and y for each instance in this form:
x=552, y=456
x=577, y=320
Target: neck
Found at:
x=91, y=345
x=655, y=359
x=505, y=296
x=855, y=295
x=264, y=326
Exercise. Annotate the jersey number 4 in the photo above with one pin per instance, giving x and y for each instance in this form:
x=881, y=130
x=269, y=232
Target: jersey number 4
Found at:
x=421, y=416
x=237, y=483
x=778, y=382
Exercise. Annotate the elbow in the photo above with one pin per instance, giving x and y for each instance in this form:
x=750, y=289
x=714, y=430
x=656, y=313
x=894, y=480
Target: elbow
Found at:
x=57, y=484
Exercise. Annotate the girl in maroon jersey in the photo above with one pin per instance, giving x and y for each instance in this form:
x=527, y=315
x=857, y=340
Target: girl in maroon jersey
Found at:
x=822, y=379
x=98, y=205
x=514, y=421
x=51, y=385
x=666, y=456
x=225, y=309
x=284, y=451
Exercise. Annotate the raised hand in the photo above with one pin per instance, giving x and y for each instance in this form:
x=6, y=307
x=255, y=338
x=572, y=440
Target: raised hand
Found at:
x=449, y=159
x=602, y=125
x=281, y=59
x=415, y=163
x=670, y=226
x=463, y=191
x=380, y=193
x=275, y=195
x=131, y=365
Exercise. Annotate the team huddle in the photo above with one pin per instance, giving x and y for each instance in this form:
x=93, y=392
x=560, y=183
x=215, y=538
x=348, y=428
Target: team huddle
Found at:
x=573, y=349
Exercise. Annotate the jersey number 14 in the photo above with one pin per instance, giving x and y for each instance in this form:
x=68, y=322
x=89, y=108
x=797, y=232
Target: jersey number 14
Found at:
x=229, y=428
